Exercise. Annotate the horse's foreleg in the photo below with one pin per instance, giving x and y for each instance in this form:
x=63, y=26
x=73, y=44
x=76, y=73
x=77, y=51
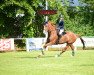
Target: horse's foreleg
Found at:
x=41, y=54
x=42, y=51
x=49, y=44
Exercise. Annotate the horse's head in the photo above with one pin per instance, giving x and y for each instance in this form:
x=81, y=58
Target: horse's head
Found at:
x=49, y=26
x=50, y=33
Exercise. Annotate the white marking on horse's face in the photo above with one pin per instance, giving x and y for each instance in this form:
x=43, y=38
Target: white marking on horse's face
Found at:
x=46, y=33
x=46, y=28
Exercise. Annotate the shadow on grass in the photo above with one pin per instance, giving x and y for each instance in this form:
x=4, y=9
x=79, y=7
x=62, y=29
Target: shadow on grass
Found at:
x=35, y=57
x=87, y=65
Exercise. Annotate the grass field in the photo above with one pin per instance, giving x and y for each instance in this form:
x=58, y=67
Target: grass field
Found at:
x=25, y=63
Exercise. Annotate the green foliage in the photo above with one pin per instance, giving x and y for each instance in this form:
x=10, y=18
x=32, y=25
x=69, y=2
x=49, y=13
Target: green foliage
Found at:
x=79, y=19
x=12, y=25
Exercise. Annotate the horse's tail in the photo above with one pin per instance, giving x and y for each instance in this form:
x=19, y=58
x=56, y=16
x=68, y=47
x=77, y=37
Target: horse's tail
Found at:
x=82, y=41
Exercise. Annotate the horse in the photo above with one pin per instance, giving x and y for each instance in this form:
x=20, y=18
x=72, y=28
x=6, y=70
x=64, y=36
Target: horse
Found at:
x=52, y=38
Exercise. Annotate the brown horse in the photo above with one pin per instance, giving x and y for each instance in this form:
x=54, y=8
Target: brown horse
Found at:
x=69, y=38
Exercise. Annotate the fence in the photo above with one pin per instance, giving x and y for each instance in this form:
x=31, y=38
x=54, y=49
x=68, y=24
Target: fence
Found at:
x=37, y=43
x=6, y=44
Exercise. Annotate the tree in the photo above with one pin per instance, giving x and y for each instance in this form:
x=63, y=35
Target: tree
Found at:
x=20, y=17
x=12, y=25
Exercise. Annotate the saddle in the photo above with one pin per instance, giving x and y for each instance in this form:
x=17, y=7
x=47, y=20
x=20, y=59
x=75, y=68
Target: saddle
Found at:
x=63, y=33
x=59, y=36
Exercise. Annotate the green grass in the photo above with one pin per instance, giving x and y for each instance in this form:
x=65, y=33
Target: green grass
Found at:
x=25, y=63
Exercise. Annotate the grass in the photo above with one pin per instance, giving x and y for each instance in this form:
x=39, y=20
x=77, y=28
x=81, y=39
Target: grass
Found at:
x=25, y=63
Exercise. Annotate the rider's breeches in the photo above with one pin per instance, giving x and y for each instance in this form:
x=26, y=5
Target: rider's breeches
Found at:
x=61, y=31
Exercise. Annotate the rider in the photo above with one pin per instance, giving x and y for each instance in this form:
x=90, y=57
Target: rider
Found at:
x=61, y=26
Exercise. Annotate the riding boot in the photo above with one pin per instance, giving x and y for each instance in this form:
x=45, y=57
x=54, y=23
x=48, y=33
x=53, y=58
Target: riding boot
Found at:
x=63, y=33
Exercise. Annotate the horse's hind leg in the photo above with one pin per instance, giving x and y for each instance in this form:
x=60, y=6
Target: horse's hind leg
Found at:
x=63, y=50
x=72, y=47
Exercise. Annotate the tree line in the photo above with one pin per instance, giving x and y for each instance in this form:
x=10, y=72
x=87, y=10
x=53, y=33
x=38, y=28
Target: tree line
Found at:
x=19, y=18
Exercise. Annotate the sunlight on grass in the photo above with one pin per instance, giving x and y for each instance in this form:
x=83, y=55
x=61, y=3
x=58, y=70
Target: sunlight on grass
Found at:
x=26, y=63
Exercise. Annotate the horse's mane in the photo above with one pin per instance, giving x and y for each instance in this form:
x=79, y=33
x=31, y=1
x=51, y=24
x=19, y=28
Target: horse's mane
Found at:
x=52, y=24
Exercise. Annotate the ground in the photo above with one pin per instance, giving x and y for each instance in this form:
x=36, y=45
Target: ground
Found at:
x=26, y=63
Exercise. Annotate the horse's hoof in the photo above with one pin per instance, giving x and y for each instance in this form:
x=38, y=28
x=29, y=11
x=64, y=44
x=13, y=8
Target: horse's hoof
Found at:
x=72, y=55
x=38, y=56
x=56, y=56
